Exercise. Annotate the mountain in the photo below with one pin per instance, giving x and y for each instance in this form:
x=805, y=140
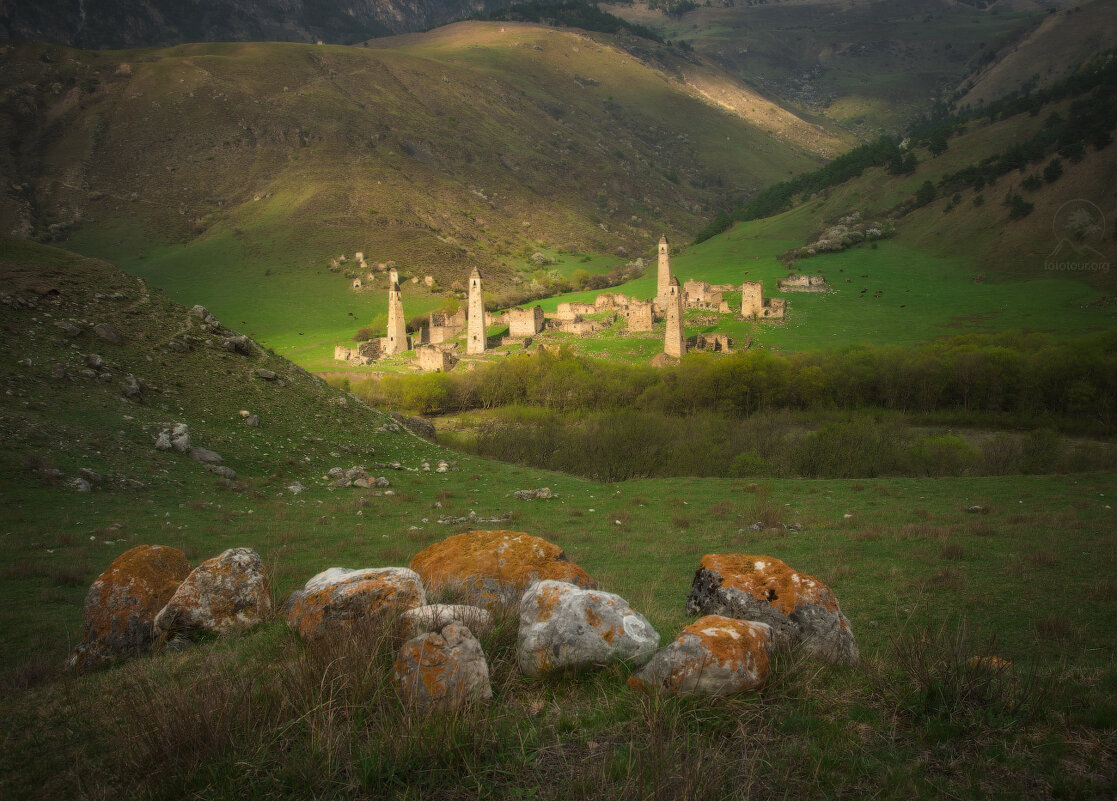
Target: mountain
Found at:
x=101, y=24
x=230, y=174
x=873, y=65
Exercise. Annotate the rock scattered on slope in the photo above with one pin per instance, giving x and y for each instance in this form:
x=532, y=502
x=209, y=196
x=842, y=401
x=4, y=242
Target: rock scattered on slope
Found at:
x=339, y=598
x=563, y=626
x=494, y=567
x=533, y=494
x=798, y=607
x=122, y=603
x=714, y=655
x=442, y=672
x=225, y=594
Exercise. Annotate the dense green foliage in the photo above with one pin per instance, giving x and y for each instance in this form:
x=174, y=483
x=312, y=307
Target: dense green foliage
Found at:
x=1090, y=122
x=1019, y=375
x=777, y=197
x=622, y=444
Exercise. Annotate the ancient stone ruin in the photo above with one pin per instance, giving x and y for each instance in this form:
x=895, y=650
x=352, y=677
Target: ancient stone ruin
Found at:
x=803, y=283
x=674, y=340
x=476, y=339
x=754, y=306
x=397, y=340
x=443, y=327
x=525, y=322
x=663, y=280
x=435, y=359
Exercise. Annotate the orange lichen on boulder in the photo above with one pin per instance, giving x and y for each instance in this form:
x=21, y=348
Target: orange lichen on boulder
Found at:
x=121, y=605
x=439, y=672
x=770, y=580
x=798, y=607
x=495, y=567
x=360, y=596
x=222, y=595
x=563, y=626
x=714, y=655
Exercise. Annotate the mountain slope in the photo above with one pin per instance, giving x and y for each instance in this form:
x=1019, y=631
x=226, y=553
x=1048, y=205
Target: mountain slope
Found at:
x=157, y=23
x=230, y=174
x=1046, y=53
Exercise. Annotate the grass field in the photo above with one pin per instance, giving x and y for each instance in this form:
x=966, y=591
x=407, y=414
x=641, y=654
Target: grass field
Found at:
x=265, y=715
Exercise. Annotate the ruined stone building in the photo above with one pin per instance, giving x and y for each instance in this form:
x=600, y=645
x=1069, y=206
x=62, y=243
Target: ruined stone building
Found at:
x=364, y=353
x=663, y=283
x=701, y=295
x=444, y=327
x=754, y=306
x=674, y=340
x=571, y=311
x=476, y=335
x=433, y=359
x=713, y=343
x=525, y=322
x=803, y=283
x=396, y=341
x=639, y=315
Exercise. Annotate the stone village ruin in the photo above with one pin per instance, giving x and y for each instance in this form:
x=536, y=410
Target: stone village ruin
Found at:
x=436, y=344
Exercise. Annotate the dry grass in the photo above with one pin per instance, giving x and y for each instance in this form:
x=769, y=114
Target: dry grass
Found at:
x=952, y=552
x=678, y=521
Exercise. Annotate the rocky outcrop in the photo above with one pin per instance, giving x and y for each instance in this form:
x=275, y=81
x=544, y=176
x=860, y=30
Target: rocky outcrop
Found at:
x=441, y=672
x=336, y=600
x=494, y=567
x=122, y=603
x=798, y=607
x=714, y=655
x=566, y=627
x=225, y=594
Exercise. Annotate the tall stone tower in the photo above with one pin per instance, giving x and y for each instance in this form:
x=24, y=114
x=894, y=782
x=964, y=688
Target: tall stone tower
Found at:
x=664, y=270
x=674, y=341
x=397, y=326
x=752, y=299
x=475, y=334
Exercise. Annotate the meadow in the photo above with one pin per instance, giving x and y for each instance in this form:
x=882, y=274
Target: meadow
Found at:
x=930, y=572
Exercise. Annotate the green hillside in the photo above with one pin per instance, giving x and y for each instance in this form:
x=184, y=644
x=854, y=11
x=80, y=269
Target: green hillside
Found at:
x=924, y=583
x=871, y=66
x=230, y=174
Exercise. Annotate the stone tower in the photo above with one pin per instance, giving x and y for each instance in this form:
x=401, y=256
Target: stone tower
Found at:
x=475, y=341
x=674, y=341
x=397, y=327
x=664, y=270
x=752, y=299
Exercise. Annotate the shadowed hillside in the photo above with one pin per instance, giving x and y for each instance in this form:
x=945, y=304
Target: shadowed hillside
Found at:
x=230, y=174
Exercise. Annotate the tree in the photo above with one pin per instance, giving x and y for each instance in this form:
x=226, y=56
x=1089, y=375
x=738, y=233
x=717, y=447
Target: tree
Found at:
x=1053, y=171
x=925, y=194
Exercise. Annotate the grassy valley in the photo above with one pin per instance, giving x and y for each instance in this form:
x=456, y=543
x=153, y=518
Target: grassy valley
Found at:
x=909, y=721
x=225, y=172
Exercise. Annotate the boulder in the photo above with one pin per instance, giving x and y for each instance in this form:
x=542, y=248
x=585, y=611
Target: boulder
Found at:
x=338, y=598
x=433, y=617
x=239, y=344
x=798, y=607
x=565, y=626
x=121, y=605
x=204, y=455
x=225, y=594
x=714, y=655
x=267, y=375
x=108, y=333
x=442, y=672
x=494, y=567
